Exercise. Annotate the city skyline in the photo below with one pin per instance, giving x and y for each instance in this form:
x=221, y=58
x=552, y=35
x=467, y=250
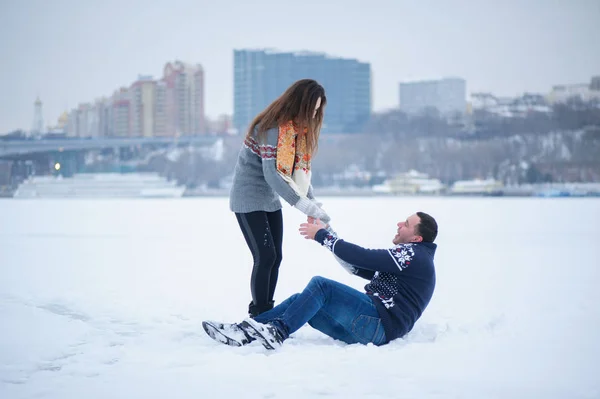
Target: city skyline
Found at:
x=68, y=52
x=454, y=96
x=164, y=107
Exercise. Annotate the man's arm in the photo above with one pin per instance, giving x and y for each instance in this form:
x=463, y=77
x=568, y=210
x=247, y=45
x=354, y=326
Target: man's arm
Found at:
x=350, y=268
x=353, y=269
x=392, y=260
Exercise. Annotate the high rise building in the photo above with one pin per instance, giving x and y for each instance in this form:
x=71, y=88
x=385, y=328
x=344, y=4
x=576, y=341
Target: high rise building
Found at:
x=160, y=110
x=260, y=76
x=448, y=96
x=71, y=127
x=105, y=125
x=121, y=113
x=184, y=98
x=143, y=107
x=87, y=120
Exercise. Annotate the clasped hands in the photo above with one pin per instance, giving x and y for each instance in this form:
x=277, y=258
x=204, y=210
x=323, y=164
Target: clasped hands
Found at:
x=310, y=228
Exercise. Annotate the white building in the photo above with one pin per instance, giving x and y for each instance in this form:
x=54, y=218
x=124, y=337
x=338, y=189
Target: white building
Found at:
x=411, y=183
x=448, y=96
x=509, y=106
x=584, y=91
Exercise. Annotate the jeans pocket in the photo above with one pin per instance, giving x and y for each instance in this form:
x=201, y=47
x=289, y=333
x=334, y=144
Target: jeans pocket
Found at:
x=367, y=329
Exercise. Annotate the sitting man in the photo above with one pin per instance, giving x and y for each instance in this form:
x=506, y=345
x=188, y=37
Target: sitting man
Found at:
x=402, y=280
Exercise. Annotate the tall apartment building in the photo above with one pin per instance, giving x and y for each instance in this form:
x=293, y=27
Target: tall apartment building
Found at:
x=85, y=121
x=121, y=113
x=91, y=119
x=105, y=117
x=448, y=95
x=143, y=107
x=160, y=111
x=71, y=126
x=260, y=76
x=184, y=98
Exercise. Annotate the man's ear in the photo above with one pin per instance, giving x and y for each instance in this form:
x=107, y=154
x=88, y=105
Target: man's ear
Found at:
x=417, y=239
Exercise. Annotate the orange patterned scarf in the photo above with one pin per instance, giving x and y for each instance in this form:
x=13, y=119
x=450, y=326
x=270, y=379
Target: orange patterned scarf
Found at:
x=293, y=159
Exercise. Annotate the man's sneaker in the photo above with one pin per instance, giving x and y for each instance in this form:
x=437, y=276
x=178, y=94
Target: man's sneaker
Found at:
x=267, y=334
x=226, y=333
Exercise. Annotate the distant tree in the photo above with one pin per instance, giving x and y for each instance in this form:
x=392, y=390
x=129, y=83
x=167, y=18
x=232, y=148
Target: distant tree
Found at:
x=393, y=122
x=575, y=114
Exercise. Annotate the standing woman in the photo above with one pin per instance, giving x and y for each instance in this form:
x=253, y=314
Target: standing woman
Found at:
x=274, y=162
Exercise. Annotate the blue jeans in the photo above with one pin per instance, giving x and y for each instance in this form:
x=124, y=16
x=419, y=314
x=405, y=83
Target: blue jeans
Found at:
x=333, y=308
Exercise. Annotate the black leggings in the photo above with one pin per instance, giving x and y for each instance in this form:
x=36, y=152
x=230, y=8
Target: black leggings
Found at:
x=263, y=232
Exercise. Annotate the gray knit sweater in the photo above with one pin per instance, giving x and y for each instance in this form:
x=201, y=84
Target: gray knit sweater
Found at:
x=256, y=184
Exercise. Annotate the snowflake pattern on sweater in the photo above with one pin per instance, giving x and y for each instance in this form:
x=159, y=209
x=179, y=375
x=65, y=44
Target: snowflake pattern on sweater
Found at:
x=329, y=241
x=402, y=254
x=383, y=285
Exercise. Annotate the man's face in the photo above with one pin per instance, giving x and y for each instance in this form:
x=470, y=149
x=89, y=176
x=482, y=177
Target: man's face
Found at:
x=406, y=231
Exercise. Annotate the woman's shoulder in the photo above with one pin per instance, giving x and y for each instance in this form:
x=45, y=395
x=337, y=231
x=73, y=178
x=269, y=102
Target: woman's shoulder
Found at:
x=259, y=128
x=257, y=132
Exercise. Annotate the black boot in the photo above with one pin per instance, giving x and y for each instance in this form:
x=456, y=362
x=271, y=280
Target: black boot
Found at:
x=255, y=310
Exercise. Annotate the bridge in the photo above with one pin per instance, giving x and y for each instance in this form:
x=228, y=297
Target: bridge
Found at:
x=15, y=149
x=23, y=157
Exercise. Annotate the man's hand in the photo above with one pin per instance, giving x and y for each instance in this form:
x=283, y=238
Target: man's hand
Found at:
x=308, y=230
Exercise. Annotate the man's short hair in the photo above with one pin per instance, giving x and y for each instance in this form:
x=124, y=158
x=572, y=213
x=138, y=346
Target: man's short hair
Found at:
x=427, y=227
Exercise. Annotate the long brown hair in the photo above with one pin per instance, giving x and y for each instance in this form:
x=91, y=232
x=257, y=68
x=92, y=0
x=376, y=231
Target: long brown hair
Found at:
x=296, y=104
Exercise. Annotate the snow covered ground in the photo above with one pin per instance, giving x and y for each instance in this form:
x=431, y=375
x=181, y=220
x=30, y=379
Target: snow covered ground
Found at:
x=104, y=299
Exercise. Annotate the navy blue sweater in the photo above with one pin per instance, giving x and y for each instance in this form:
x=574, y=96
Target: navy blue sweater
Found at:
x=402, y=278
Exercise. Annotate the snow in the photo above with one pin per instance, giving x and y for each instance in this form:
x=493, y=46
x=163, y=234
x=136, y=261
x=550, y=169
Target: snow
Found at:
x=104, y=298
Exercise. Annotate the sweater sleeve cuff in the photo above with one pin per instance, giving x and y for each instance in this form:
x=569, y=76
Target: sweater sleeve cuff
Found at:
x=326, y=239
x=321, y=235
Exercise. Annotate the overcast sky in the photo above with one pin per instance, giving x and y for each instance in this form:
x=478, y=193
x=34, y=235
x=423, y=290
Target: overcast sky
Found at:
x=72, y=51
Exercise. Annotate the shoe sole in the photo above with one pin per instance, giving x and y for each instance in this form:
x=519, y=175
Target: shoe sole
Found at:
x=216, y=334
x=257, y=333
